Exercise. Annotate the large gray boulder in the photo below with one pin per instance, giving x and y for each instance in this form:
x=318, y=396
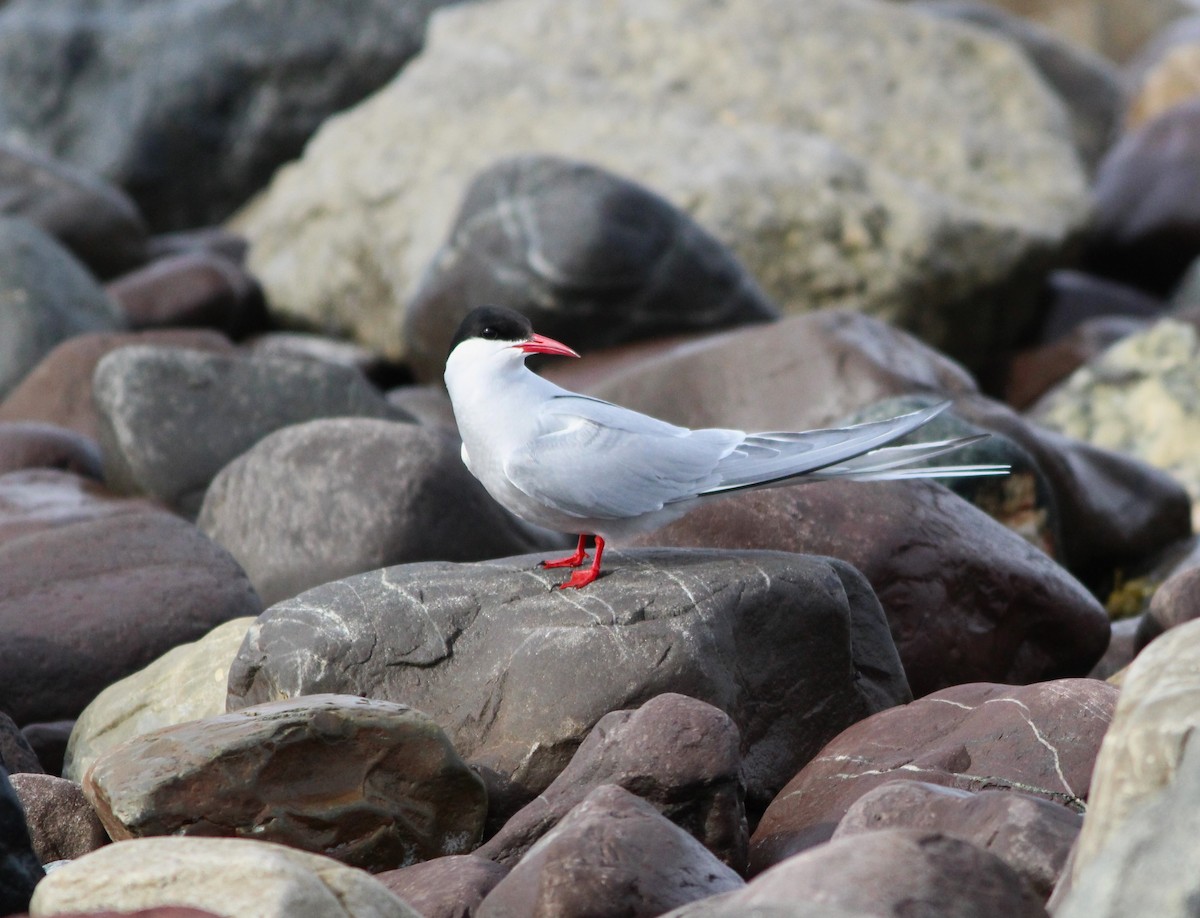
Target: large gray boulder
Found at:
x=191, y=106
x=323, y=500
x=786, y=129
x=793, y=648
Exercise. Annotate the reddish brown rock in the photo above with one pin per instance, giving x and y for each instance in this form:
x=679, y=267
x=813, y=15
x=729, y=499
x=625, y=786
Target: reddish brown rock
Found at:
x=892, y=873
x=612, y=855
x=33, y=445
x=59, y=389
x=191, y=289
x=1175, y=602
x=967, y=599
x=1039, y=739
x=370, y=783
x=675, y=752
x=1033, y=836
x=62, y=823
x=814, y=370
x=1033, y=371
x=93, y=588
x=445, y=887
x=808, y=370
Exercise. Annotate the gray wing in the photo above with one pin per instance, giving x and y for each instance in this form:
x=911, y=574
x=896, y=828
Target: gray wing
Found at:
x=596, y=460
x=593, y=459
x=765, y=458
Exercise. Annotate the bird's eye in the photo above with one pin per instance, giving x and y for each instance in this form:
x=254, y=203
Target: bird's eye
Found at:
x=490, y=333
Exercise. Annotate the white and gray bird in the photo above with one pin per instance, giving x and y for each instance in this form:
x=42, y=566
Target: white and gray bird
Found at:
x=585, y=466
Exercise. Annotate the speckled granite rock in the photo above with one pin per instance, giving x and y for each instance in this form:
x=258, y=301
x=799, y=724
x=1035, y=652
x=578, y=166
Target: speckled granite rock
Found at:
x=1141, y=397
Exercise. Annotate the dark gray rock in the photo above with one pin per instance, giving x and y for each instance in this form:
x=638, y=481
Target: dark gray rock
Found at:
x=793, y=648
x=1148, y=865
x=1033, y=836
x=98, y=222
x=1146, y=227
x=587, y=255
x=612, y=855
x=675, y=752
x=62, y=823
x=20, y=869
x=1038, y=739
x=191, y=107
x=171, y=419
x=48, y=296
x=49, y=741
x=16, y=755
x=320, y=501
x=94, y=587
x=893, y=873
x=445, y=887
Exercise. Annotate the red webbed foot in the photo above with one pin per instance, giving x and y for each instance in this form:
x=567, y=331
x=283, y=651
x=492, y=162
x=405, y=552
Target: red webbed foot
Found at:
x=572, y=561
x=583, y=578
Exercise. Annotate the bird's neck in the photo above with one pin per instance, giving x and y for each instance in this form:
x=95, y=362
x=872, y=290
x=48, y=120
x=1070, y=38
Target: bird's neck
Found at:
x=494, y=398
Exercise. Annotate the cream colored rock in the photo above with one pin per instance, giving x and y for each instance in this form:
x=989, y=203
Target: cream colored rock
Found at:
x=231, y=877
x=784, y=128
x=1157, y=712
x=186, y=683
x=1140, y=397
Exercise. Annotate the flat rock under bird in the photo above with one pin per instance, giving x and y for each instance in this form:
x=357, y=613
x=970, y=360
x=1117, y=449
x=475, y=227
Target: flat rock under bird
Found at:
x=581, y=465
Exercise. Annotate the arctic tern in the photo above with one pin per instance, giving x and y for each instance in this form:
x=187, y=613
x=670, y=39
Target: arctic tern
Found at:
x=581, y=465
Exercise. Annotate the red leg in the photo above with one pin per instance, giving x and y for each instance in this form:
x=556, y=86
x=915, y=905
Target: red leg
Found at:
x=583, y=578
x=573, y=561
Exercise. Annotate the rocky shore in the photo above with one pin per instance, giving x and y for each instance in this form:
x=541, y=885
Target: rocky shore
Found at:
x=268, y=649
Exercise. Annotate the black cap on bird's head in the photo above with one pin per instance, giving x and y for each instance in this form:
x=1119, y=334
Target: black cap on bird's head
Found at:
x=499, y=323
